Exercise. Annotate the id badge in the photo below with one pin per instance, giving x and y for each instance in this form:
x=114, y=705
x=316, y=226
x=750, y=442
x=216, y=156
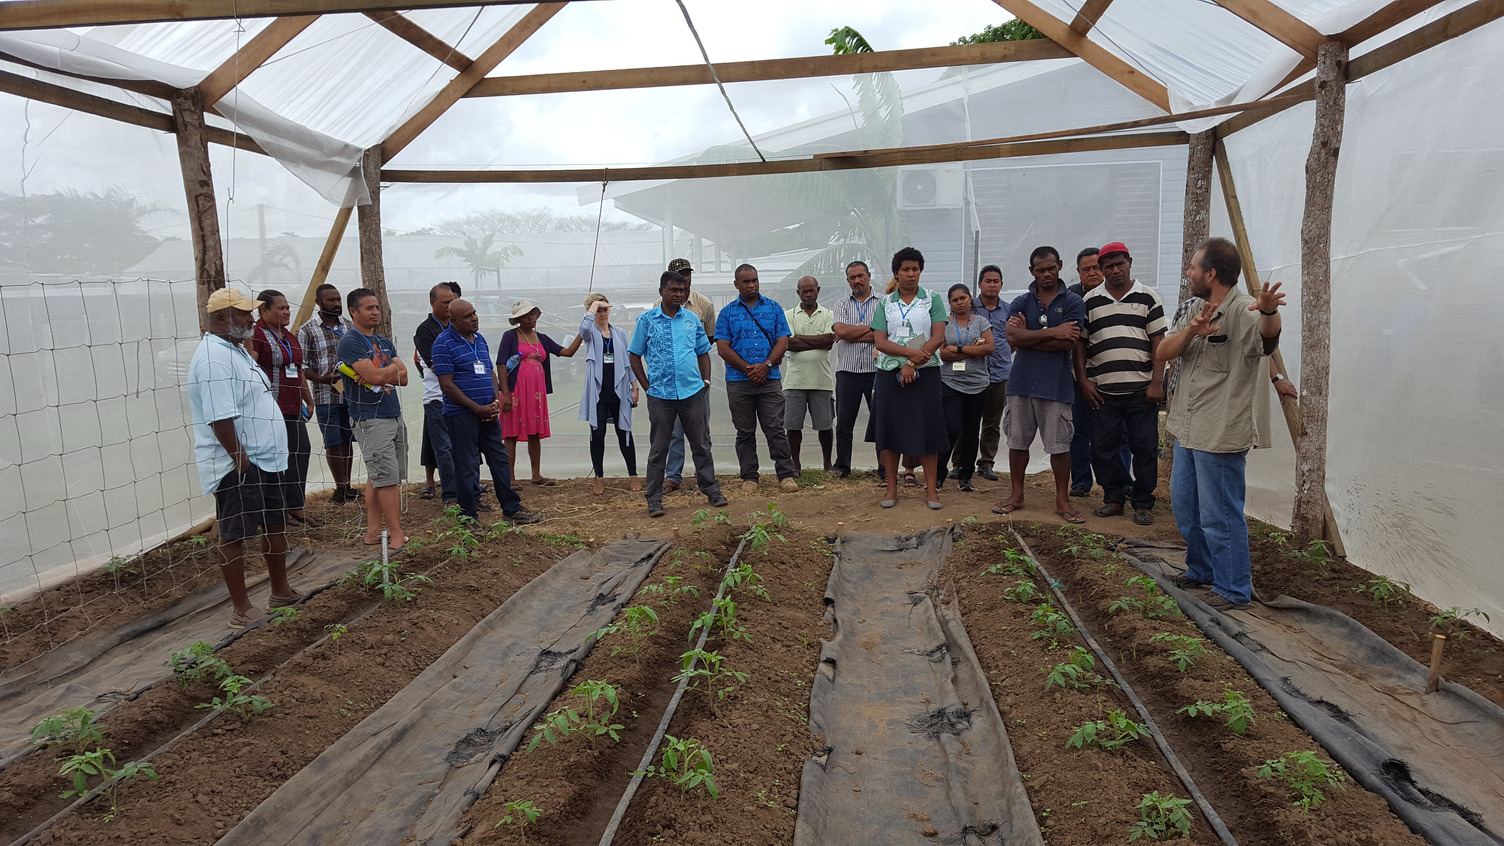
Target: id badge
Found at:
x=480, y=367
x=958, y=366
x=608, y=358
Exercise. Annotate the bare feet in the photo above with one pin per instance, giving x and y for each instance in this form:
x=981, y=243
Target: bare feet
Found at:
x=599, y=487
x=636, y=485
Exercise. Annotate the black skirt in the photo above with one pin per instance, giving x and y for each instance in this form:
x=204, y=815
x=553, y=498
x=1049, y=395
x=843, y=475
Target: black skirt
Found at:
x=910, y=419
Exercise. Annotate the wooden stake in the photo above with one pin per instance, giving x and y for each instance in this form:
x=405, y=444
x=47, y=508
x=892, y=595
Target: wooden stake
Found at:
x=1198, y=201
x=198, y=183
x=321, y=270
x=841, y=530
x=1438, y=643
x=1316, y=289
x=372, y=271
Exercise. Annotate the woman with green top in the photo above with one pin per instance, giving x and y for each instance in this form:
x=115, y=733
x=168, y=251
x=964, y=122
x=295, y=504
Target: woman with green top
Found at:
x=964, y=381
x=907, y=330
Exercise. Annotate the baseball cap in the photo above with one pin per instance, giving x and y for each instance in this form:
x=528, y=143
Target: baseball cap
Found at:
x=1115, y=247
x=231, y=298
x=680, y=265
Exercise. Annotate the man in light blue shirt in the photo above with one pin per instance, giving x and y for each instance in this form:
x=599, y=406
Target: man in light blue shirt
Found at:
x=240, y=444
x=671, y=357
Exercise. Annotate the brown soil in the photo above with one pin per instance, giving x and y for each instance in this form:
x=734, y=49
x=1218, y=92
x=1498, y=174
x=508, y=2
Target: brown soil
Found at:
x=213, y=777
x=1222, y=763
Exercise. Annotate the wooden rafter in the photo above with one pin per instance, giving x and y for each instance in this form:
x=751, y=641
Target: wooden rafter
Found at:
x=475, y=72
x=253, y=54
x=1443, y=29
x=147, y=87
x=54, y=14
x=1391, y=15
x=767, y=69
x=1091, y=12
x=405, y=29
x=1093, y=54
x=884, y=158
x=1278, y=24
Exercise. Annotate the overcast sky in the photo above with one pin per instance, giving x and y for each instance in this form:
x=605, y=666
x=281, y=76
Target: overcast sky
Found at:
x=55, y=150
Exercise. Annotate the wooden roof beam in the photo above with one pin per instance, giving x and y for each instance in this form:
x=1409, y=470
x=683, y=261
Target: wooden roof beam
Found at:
x=54, y=14
x=884, y=158
x=251, y=55
x=472, y=74
x=420, y=38
x=769, y=69
x=1390, y=16
x=1091, y=12
x=1056, y=30
x=1278, y=24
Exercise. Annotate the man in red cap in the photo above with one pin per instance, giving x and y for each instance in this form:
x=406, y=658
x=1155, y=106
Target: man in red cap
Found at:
x=1122, y=383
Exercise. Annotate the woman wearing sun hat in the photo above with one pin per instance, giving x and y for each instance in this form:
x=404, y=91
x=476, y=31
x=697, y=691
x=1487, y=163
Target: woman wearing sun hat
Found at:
x=524, y=353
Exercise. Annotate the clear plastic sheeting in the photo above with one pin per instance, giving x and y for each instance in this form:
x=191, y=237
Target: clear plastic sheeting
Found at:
x=1413, y=465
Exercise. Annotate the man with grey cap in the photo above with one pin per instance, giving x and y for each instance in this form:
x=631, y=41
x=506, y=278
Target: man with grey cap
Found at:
x=240, y=444
x=700, y=306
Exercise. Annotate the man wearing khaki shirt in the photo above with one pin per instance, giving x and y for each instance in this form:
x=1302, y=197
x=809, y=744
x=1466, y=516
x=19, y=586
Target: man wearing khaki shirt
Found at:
x=1220, y=339
x=809, y=385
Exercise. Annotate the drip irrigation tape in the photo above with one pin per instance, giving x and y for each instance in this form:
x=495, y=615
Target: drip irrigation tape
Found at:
x=668, y=716
x=1164, y=745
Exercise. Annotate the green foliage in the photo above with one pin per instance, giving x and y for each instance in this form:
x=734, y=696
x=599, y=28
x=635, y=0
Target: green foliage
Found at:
x=118, y=567
x=1304, y=774
x=388, y=580
x=1184, y=649
x=285, y=615
x=336, y=631
x=198, y=541
x=686, y=763
x=1023, y=591
x=742, y=577
x=461, y=539
x=1157, y=604
x=1234, y=705
x=1450, y=621
x=198, y=663
x=1076, y=671
x=703, y=516
x=243, y=705
x=520, y=813
x=592, y=719
x=1162, y=818
x=722, y=614
x=1110, y=734
x=478, y=255
x=101, y=762
x=74, y=728
x=1052, y=624
x=638, y=622
x=1317, y=554
x=1015, y=563
x=670, y=591
x=706, y=670
x=1384, y=591
x=1087, y=545
x=764, y=527
x=1010, y=30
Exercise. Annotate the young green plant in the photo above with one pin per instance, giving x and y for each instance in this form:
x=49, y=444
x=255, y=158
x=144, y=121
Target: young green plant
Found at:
x=1110, y=734
x=1162, y=818
x=520, y=813
x=686, y=763
x=1304, y=774
x=101, y=762
x=1077, y=671
x=74, y=728
x=198, y=663
x=708, y=671
x=1234, y=706
x=1184, y=649
x=638, y=622
x=244, y=705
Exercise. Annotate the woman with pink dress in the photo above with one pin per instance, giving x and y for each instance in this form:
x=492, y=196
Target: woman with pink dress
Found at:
x=524, y=354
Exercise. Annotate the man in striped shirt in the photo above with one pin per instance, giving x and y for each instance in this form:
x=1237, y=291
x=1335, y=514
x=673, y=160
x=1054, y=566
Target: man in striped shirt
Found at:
x=1117, y=374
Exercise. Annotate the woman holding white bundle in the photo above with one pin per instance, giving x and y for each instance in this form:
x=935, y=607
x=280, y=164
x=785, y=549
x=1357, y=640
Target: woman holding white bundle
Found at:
x=610, y=389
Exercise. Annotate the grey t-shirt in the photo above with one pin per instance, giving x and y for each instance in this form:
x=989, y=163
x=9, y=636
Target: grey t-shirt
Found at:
x=972, y=376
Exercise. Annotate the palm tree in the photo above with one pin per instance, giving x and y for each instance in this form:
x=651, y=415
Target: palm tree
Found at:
x=479, y=257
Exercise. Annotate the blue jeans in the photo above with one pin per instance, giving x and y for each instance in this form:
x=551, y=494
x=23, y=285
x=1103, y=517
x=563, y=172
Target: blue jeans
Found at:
x=472, y=439
x=1081, y=449
x=436, y=431
x=673, y=471
x=1206, y=492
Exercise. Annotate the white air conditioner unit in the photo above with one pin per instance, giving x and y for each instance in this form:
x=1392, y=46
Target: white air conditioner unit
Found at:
x=930, y=187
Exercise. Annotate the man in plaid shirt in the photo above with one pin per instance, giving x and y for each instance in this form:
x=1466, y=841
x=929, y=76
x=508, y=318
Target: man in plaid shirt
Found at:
x=320, y=341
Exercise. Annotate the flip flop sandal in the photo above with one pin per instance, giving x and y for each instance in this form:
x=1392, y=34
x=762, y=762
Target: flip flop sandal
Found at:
x=545, y=482
x=1070, y=517
x=426, y=493
x=240, y=621
x=909, y=480
x=1006, y=508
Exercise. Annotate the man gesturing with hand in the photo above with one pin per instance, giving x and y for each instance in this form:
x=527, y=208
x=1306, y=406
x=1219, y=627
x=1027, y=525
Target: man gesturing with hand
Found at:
x=1221, y=340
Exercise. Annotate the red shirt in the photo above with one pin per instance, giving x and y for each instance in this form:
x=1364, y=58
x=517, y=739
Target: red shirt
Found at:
x=274, y=352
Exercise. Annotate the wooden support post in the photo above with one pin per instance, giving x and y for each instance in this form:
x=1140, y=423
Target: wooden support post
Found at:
x=1198, y=201
x=321, y=270
x=1290, y=407
x=1316, y=289
x=1438, y=643
x=372, y=271
x=198, y=183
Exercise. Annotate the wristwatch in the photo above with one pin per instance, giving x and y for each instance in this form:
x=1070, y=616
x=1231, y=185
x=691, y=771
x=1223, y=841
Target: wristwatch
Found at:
x=1276, y=378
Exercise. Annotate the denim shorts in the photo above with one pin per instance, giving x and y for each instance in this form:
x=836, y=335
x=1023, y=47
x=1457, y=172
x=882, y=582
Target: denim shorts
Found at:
x=334, y=422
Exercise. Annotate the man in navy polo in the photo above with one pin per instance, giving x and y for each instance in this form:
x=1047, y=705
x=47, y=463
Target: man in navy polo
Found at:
x=670, y=354
x=1043, y=326
x=751, y=336
x=462, y=361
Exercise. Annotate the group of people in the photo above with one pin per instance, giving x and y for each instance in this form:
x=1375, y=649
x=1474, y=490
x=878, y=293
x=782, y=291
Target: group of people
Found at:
x=945, y=378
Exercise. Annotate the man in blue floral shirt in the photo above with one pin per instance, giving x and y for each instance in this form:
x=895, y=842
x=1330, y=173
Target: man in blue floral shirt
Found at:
x=751, y=336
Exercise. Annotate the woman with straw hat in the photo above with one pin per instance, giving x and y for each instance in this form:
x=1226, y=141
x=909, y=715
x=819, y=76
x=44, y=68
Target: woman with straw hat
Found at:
x=524, y=353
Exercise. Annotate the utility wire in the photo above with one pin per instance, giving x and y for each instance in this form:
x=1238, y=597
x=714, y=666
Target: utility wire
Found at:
x=717, y=78
x=597, y=250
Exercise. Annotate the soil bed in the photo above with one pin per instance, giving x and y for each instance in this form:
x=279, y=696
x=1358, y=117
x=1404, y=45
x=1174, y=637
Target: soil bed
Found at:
x=1222, y=763
x=213, y=777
